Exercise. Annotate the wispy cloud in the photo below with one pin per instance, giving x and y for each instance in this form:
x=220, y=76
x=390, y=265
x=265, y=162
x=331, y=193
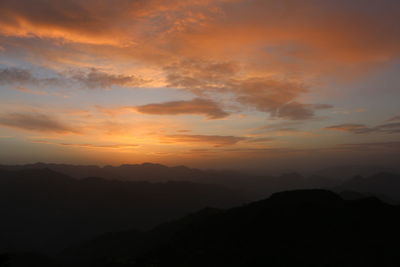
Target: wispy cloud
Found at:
x=87, y=145
x=265, y=94
x=95, y=78
x=260, y=140
x=36, y=122
x=18, y=76
x=197, y=106
x=86, y=78
x=30, y=91
x=388, y=128
x=215, y=140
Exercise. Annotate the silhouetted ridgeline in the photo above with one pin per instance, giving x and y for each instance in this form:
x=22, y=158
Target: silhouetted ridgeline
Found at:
x=297, y=228
x=250, y=187
x=43, y=210
x=383, y=185
x=150, y=172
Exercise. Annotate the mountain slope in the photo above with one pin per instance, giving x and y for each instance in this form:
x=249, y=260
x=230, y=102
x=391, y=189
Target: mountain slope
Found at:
x=386, y=184
x=297, y=228
x=43, y=210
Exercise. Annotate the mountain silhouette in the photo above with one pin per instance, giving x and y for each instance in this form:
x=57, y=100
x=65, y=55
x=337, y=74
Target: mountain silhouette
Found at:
x=252, y=187
x=42, y=210
x=105, y=221
x=386, y=185
x=294, y=228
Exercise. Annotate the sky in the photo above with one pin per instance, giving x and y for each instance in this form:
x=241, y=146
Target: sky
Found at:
x=242, y=84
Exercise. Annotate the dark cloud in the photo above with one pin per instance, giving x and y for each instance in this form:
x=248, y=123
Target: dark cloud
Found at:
x=216, y=140
x=36, y=122
x=389, y=128
x=15, y=75
x=92, y=78
x=322, y=106
x=260, y=140
x=294, y=111
x=276, y=97
x=100, y=79
x=286, y=126
x=280, y=126
x=267, y=95
x=18, y=76
x=347, y=127
x=196, y=106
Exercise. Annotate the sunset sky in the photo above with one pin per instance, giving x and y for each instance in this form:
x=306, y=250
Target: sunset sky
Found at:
x=204, y=83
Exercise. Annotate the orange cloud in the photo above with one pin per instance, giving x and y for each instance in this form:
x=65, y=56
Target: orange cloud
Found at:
x=30, y=91
x=265, y=94
x=268, y=33
x=114, y=111
x=233, y=56
x=91, y=22
x=263, y=52
x=260, y=140
x=72, y=21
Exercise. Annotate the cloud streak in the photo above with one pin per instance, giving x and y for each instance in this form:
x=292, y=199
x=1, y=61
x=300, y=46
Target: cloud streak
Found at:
x=215, y=140
x=388, y=128
x=99, y=79
x=197, y=106
x=18, y=76
x=87, y=145
x=91, y=79
x=37, y=122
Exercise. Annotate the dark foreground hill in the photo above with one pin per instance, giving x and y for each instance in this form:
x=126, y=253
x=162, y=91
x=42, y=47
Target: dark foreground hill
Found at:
x=296, y=228
x=42, y=210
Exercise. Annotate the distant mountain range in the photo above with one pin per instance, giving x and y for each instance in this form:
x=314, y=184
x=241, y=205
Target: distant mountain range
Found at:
x=251, y=187
x=383, y=185
x=43, y=210
x=150, y=172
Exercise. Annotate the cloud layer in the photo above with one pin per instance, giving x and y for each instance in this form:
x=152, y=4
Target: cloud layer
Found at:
x=215, y=140
x=388, y=128
x=36, y=122
x=197, y=106
x=266, y=74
